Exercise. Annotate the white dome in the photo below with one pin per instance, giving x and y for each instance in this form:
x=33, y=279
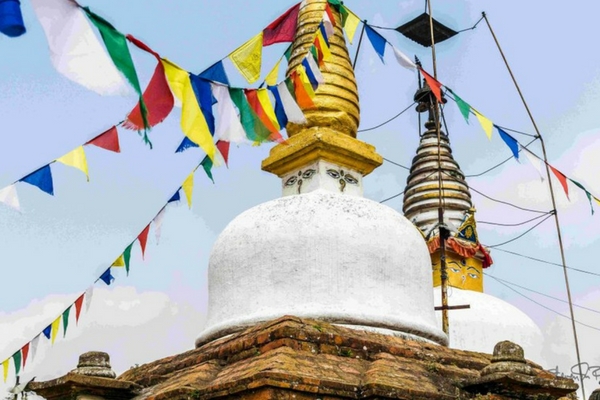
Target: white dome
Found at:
x=489, y=321
x=322, y=255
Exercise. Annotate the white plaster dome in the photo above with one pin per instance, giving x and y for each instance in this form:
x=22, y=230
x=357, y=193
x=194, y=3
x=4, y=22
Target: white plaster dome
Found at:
x=323, y=255
x=489, y=321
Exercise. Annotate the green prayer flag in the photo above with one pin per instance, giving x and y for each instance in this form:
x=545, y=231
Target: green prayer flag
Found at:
x=290, y=86
x=288, y=53
x=588, y=194
x=254, y=128
x=17, y=360
x=65, y=319
x=207, y=164
x=463, y=106
x=116, y=45
x=344, y=14
x=315, y=53
x=127, y=257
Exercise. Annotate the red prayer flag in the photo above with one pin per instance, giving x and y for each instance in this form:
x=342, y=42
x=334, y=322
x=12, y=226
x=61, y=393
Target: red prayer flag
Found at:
x=25, y=351
x=223, y=147
x=108, y=140
x=330, y=14
x=562, y=179
x=157, y=96
x=319, y=52
x=283, y=29
x=143, y=238
x=78, y=304
x=435, y=85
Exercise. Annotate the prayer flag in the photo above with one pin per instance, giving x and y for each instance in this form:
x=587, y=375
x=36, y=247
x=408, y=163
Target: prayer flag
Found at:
x=116, y=44
x=486, y=124
x=328, y=20
x=5, y=368
x=47, y=331
x=119, y=262
x=224, y=150
x=561, y=178
x=255, y=130
x=55, y=327
x=435, y=86
x=510, y=142
x=312, y=65
x=76, y=159
x=65, y=319
x=377, y=41
x=109, y=140
x=157, y=97
x=25, y=352
x=207, y=165
x=215, y=73
x=350, y=24
x=323, y=46
x=588, y=194
x=89, y=293
x=158, y=220
x=305, y=81
x=127, y=257
x=267, y=106
x=34, y=344
x=271, y=78
x=229, y=127
x=78, y=305
x=8, y=196
x=403, y=60
x=463, y=106
x=143, y=238
x=42, y=179
x=185, y=144
x=193, y=123
x=17, y=361
x=204, y=98
x=175, y=197
x=75, y=51
x=535, y=162
x=106, y=277
x=302, y=97
x=248, y=58
x=282, y=119
x=261, y=112
x=292, y=110
x=323, y=32
x=283, y=29
x=309, y=73
x=188, y=188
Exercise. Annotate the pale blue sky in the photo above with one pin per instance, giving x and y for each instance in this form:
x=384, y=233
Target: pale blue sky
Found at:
x=60, y=244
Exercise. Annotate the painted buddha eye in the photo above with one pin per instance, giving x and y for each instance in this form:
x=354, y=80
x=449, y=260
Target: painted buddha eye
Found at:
x=309, y=173
x=351, y=180
x=291, y=181
x=473, y=276
x=333, y=173
x=455, y=270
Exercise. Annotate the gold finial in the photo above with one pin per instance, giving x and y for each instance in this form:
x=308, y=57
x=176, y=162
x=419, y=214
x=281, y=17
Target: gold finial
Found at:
x=330, y=131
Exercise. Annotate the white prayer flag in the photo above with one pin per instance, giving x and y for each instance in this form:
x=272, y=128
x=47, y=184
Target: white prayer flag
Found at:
x=33, y=346
x=8, y=196
x=88, y=297
x=158, y=220
x=315, y=69
x=229, y=128
x=403, y=60
x=291, y=108
x=535, y=162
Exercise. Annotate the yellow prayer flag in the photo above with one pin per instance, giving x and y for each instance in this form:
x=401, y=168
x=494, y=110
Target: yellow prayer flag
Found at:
x=305, y=81
x=323, y=45
x=597, y=200
x=486, y=124
x=193, y=123
x=248, y=58
x=119, y=262
x=55, y=327
x=350, y=25
x=265, y=102
x=188, y=188
x=76, y=159
x=271, y=79
x=5, y=367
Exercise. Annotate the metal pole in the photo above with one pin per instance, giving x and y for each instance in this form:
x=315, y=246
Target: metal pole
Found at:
x=441, y=230
x=558, y=231
x=362, y=32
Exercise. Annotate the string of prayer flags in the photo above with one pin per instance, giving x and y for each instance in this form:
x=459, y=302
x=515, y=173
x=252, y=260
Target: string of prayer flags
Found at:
x=434, y=85
x=8, y=196
x=377, y=41
x=42, y=179
x=75, y=51
x=561, y=178
x=248, y=58
x=109, y=140
x=229, y=128
x=486, y=124
x=216, y=73
x=76, y=159
x=512, y=144
x=157, y=97
x=116, y=44
x=283, y=29
x=193, y=123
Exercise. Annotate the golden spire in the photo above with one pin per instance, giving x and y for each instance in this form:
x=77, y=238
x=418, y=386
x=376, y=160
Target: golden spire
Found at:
x=331, y=127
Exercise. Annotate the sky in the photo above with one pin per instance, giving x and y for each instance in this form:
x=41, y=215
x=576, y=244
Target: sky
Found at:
x=57, y=246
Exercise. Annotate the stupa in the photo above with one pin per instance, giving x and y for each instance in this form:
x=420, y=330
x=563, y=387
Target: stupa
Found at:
x=489, y=319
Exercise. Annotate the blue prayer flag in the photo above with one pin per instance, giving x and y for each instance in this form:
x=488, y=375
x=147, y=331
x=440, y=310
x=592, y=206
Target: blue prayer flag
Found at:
x=309, y=73
x=324, y=33
x=175, y=197
x=47, y=331
x=377, y=41
x=282, y=118
x=215, y=73
x=107, y=277
x=42, y=179
x=510, y=142
x=204, y=96
x=186, y=143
